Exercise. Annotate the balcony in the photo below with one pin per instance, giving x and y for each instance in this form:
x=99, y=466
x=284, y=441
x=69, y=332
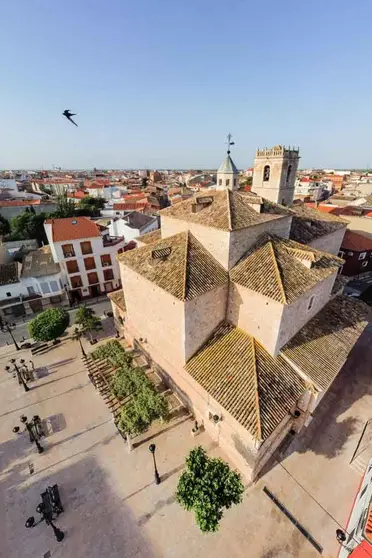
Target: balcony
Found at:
x=112, y=240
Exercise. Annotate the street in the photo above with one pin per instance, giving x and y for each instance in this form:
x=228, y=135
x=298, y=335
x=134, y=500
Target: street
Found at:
x=21, y=332
x=112, y=505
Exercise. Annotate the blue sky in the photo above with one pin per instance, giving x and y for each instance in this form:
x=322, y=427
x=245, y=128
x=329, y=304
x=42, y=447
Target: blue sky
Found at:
x=159, y=83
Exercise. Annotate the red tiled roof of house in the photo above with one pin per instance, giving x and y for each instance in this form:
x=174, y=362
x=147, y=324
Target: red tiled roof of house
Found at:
x=14, y=203
x=73, y=228
x=130, y=206
x=357, y=242
x=78, y=194
x=135, y=197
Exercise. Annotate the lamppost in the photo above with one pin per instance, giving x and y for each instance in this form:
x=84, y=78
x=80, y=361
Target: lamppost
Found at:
x=8, y=327
x=152, y=449
x=47, y=516
x=20, y=377
x=34, y=430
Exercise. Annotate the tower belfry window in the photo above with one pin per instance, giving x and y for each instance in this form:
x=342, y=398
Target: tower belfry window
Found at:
x=266, y=173
x=289, y=172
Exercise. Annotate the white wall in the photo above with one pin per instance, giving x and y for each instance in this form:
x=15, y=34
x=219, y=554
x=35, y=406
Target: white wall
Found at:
x=97, y=250
x=121, y=228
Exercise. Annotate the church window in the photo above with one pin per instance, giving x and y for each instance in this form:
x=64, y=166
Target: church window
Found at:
x=235, y=181
x=228, y=182
x=266, y=173
x=220, y=182
x=289, y=172
x=311, y=302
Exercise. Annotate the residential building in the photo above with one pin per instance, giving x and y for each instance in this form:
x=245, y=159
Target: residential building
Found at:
x=356, y=250
x=244, y=323
x=308, y=187
x=274, y=173
x=12, y=208
x=31, y=286
x=86, y=253
x=132, y=225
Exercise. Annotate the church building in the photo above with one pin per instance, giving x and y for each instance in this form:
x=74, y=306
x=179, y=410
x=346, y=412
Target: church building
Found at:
x=236, y=303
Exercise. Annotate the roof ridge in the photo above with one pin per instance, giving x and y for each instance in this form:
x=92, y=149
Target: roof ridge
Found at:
x=185, y=277
x=229, y=217
x=277, y=271
x=257, y=397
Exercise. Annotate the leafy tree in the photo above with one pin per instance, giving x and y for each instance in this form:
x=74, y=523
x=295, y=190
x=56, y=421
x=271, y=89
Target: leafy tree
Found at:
x=92, y=203
x=49, y=325
x=87, y=320
x=146, y=406
x=206, y=487
x=128, y=381
x=4, y=226
x=65, y=207
x=28, y=225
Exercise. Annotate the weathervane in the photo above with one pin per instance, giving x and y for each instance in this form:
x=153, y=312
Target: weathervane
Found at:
x=229, y=142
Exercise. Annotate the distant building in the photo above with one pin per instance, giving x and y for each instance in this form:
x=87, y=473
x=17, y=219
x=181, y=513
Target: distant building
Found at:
x=132, y=225
x=87, y=255
x=12, y=208
x=309, y=187
x=356, y=250
x=155, y=176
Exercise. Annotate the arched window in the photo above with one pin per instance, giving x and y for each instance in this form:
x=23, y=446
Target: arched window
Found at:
x=289, y=172
x=266, y=173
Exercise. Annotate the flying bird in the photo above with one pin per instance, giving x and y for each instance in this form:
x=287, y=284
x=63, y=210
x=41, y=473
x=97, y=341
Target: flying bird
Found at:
x=67, y=113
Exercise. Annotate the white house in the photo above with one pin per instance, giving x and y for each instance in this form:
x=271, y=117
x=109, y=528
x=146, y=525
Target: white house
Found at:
x=133, y=224
x=87, y=255
x=32, y=286
x=309, y=187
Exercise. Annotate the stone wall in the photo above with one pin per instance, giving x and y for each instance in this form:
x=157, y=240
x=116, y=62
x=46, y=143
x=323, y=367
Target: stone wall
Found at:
x=155, y=315
x=241, y=241
x=330, y=243
x=296, y=315
x=214, y=240
x=256, y=314
x=202, y=316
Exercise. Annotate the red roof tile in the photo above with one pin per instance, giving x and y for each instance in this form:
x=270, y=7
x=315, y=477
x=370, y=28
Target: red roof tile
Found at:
x=11, y=203
x=73, y=228
x=130, y=206
x=356, y=242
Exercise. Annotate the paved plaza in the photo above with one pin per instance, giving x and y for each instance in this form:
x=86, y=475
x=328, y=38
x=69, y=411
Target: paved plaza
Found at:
x=114, y=509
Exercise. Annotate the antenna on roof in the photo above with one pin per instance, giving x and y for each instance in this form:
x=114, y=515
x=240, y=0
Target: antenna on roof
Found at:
x=229, y=142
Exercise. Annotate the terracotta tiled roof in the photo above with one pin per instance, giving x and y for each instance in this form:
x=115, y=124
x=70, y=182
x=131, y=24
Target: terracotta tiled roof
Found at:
x=9, y=273
x=255, y=388
x=118, y=298
x=279, y=268
x=308, y=223
x=357, y=242
x=130, y=206
x=15, y=203
x=226, y=211
x=73, y=228
x=150, y=237
x=178, y=264
x=322, y=346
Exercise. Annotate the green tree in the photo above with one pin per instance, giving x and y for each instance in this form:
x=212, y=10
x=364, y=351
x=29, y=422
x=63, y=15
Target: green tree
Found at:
x=4, y=226
x=28, y=225
x=206, y=487
x=65, y=207
x=49, y=325
x=87, y=320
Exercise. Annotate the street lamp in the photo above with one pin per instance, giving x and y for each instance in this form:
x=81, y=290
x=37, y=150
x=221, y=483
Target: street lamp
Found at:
x=34, y=430
x=152, y=449
x=46, y=511
x=7, y=327
x=20, y=377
